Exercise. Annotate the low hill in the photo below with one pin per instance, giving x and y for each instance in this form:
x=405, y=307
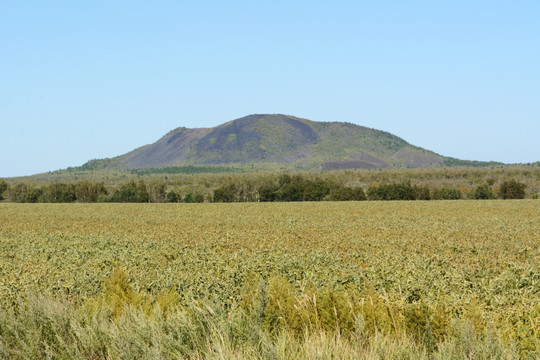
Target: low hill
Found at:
x=281, y=140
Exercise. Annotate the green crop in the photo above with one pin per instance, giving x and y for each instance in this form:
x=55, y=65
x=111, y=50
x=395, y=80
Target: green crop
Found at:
x=422, y=271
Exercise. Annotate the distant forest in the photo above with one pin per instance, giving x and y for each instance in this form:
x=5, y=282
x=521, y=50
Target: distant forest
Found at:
x=193, y=184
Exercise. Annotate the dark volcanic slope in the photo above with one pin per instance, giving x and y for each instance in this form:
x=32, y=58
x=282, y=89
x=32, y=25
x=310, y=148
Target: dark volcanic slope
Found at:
x=255, y=138
x=168, y=150
x=284, y=140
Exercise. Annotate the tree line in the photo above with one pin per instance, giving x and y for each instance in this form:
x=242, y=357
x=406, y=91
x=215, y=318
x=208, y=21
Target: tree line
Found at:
x=298, y=188
x=285, y=188
x=88, y=192
x=188, y=169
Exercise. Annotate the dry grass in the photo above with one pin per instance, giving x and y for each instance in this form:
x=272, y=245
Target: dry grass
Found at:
x=284, y=280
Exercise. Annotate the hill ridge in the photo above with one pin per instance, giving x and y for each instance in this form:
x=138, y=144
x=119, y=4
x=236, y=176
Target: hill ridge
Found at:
x=284, y=140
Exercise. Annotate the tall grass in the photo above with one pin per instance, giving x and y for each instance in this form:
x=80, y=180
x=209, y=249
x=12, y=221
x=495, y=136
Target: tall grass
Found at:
x=120, y=324
x=433, y=280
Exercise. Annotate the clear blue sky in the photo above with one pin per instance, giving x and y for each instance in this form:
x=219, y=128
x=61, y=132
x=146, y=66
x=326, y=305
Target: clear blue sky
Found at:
x=92, y=79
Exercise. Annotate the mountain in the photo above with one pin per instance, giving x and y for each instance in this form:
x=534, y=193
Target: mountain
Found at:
x=279, y=139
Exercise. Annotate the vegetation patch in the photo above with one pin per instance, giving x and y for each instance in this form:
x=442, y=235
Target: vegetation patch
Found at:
x=362, y=280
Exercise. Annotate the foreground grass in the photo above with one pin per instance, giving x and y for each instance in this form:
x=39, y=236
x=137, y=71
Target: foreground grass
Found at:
x=306, y=280
x=54, y=329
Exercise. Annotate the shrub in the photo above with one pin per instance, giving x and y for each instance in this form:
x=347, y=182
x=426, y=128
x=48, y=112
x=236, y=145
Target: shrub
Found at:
x=290, y=188
x=3, y=187
x=193, y=198
x=226, y=193
x=157, y=191
x=315, y=190
x=422, y=192
x=348, y=194
x=118, y=292
x=23, y=193
x=446, y=193
x=172, y=197
x=89, y=192
x=58, y=193
x=131, y=192
x=511, y=189
x=396, y=191
x=483, y=192
x=267, y=192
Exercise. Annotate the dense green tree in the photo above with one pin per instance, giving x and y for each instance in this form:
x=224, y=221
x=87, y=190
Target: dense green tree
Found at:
x=446, y=193
x=483, y=192
x=403, y=191
x=157, y=191
x=396, y=191
x=347, y=194
x=226, y=193
x=284, y=179
x=3, y=187
x=315, y=190
x=34, y=195
x=131, y=192
x=193, y=198
x=23, y=193
x=267, y=192
x=512, y=189
x=172, y=197
x=17, y=193
x=291, y=188
x=58, y=193
x=373, y=191
x=422, y=192
x=86, y=191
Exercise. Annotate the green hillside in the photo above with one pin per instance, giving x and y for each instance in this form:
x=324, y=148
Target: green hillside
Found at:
x=280, y=140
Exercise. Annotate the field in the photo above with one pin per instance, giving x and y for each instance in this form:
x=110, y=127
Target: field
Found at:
x=437, y=279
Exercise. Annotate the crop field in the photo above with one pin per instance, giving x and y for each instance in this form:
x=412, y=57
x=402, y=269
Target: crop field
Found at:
x=416, y=279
